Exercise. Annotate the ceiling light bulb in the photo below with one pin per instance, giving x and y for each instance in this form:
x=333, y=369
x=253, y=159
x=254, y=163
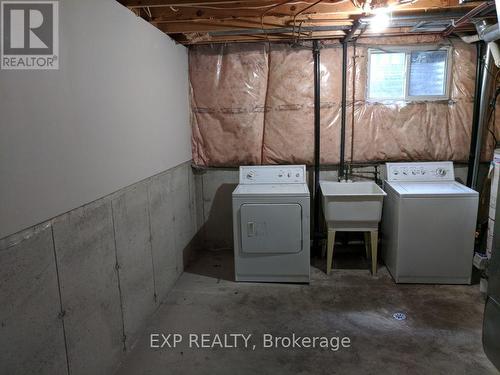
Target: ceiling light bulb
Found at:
x=380, y=20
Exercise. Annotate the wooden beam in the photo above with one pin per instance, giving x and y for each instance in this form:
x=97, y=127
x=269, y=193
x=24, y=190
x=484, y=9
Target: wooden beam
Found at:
x=200, y=39
x=259, y=6
x=190, y=14
x=268, y=23
x=200, y=18
x=205, y=39
x=339, y=11
x=243, y=24
x=190, y=3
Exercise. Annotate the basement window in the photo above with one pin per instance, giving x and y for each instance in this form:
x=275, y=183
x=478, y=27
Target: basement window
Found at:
x=410, y=75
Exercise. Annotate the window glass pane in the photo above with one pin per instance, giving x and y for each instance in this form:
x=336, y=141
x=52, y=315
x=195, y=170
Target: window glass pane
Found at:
x=428, y=73
x=387, y=76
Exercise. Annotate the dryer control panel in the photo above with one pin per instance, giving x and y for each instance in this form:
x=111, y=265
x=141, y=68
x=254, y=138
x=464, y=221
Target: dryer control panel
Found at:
x=273, y=174
x=421, y=171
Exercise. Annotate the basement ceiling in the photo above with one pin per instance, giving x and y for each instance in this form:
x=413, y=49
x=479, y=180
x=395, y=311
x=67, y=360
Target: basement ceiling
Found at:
x=219, y=21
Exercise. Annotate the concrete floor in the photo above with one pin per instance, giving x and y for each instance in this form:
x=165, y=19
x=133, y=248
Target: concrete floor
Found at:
x=441, y=335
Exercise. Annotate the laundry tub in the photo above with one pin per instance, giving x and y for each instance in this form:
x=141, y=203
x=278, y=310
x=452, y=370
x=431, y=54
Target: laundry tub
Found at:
x=354, y=207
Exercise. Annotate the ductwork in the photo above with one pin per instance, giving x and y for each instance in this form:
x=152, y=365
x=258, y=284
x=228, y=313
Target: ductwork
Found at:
x=483, y=111
x=495, y=53
x=470, y=38
x=488, y=33
x=469, y=16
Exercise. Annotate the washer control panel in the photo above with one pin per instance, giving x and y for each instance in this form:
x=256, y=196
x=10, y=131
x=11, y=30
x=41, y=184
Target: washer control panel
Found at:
x=421, y=171
x=273, y=174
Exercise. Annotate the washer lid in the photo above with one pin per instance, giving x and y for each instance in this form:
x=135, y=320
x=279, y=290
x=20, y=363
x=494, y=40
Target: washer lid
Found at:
x=432, y=189
x=271, y=189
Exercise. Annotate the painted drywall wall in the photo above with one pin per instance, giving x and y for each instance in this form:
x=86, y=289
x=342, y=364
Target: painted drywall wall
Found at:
x=115, y=112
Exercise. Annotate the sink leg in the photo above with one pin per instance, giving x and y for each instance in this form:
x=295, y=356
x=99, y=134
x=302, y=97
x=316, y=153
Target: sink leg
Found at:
x=329, y=257
x=367, y=244
x=374, y=245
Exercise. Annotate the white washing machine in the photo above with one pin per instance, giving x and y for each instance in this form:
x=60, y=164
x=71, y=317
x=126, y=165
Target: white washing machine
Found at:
x=271, y=208
x=428, y=224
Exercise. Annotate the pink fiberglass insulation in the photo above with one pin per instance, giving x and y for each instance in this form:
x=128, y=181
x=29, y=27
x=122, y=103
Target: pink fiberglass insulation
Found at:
x=254, y=104
x=228, y=91
x=427, y=130
x=290, y=106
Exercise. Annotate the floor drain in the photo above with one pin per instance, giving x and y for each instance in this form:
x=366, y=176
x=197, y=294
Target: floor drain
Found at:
x=399, y=316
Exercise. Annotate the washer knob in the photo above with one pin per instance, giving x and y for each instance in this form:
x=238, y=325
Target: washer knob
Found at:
x=441, y=172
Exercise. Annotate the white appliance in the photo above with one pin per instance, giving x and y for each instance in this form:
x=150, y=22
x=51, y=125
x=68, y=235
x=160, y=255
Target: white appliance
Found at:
x=428, y=224
x=495, y=170
x=271, y=208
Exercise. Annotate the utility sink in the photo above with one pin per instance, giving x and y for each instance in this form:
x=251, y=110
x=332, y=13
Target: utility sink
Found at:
x=352, y=206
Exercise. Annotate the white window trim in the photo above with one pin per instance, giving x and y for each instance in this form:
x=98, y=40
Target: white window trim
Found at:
x=408, y=98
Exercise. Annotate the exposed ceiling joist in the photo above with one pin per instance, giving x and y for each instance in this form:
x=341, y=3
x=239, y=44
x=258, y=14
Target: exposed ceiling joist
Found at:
x=210, y=21
x=243, y=23
x=179, y=3
x=204, y=39
x=290, y=9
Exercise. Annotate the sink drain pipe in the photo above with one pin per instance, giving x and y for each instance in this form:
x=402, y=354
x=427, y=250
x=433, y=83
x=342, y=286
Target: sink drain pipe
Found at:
x=341, y=171
x=317, y=161
x=475, y=113
x=359, y=26
x=482, y=125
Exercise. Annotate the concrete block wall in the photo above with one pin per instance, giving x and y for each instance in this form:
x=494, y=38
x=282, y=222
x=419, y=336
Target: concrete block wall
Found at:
x=76, y=290
x=214, y=188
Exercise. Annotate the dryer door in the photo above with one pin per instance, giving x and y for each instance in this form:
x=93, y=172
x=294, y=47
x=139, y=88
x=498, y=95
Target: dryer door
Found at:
x=271, y=228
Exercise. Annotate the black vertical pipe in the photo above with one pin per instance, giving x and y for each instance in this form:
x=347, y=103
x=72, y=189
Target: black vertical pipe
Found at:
x=475, y=112
x=344, y=108
x=317, y=82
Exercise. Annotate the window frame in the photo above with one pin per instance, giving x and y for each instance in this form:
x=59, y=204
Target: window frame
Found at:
x=408, y=51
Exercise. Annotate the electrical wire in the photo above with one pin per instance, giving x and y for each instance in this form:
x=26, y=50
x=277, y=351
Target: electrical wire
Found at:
x=307, y=8
x=302, y=11
x=356, y=4
x=492, y=114
x=295, y=2
x=267, y=11
x=492, y=105
x=240, y=8
x=298, y=33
